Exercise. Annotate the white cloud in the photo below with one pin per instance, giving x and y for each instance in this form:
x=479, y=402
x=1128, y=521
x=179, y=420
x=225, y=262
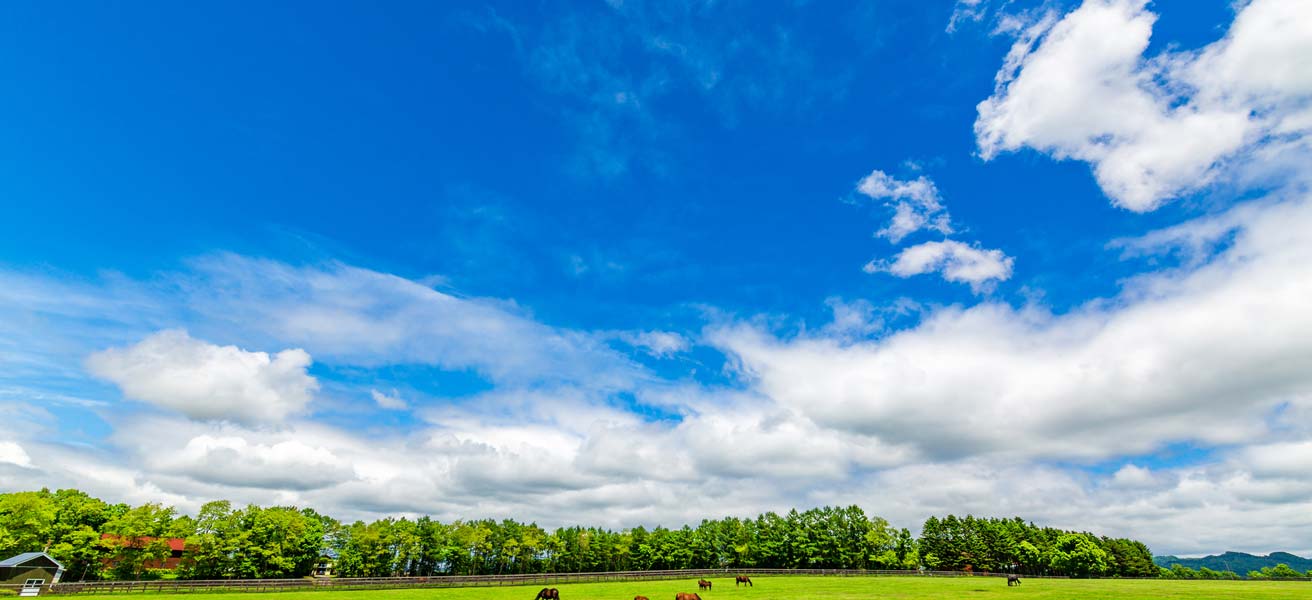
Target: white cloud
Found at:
x=1163, y=506
x=741, y=458
x=1132, y=476
x=857, y=318
x=916, y=204
x=661, y=344
x=956, y=262
x=391, y=401
x=957, y=414
x=1153, y=129
x=1194, y=241
x=1261, y=59
x=1280, y=460
x=86, y=314
x=966, y=11
x=1206, y=354
x=14, y=454
x=355, y=316
x=172, y=370
x=232, y=460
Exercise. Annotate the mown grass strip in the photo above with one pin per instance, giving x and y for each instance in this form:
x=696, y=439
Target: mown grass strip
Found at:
x=822, y=588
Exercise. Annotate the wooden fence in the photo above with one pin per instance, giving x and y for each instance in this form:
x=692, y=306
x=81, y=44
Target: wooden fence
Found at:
x=184, y=586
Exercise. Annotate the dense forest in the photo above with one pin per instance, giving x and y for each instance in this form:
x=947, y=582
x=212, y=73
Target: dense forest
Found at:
x=98, y=540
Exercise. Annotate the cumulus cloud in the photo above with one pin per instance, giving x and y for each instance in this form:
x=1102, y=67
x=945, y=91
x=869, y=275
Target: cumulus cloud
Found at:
x=14, y=454
x=171, y=370
x=1206, y=354
x=1080, y=87
x=1133, y=476
x=916, y=204
x=955, y=261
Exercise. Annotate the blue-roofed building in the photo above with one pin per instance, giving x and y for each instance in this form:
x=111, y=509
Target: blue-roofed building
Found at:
x=30, y=569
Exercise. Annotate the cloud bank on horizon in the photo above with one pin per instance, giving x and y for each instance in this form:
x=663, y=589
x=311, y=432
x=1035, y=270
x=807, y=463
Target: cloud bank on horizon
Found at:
x=1171, y=405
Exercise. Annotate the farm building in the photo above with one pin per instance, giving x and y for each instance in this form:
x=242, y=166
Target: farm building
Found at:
x=324, y=566
x=177, y=548
x=30, y=568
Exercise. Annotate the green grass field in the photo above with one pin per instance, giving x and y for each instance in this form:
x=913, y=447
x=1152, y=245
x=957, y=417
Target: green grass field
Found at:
x=831, y=588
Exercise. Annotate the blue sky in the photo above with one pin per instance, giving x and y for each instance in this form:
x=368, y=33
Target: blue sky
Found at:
x=562, y=257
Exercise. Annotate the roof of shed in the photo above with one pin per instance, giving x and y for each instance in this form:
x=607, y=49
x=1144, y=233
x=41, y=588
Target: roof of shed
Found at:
x=26, y=557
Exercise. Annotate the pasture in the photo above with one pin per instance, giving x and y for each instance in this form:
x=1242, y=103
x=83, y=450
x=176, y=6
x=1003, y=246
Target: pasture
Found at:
x=826, y=588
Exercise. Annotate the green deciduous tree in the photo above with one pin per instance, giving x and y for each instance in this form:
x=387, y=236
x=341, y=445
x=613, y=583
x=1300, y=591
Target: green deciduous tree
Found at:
x=1077, y=555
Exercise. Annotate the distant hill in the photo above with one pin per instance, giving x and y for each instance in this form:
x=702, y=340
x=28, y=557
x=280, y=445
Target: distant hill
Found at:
x=1239, y=562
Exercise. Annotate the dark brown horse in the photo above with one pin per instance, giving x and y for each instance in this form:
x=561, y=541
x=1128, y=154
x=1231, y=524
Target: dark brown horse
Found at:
x=1013, y=579
x=639, y=598
x=686, y=596
x=741, y=579
x=702, y=584
x=548, y=594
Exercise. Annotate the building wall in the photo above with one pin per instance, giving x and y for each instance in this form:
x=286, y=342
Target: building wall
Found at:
x=20, y=575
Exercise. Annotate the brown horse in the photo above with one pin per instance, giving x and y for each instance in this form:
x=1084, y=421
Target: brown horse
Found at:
x=686, y=596
x=1013, y=579
x=548, y=594
x=639, y=598
x=741, y=579
x=702, y=584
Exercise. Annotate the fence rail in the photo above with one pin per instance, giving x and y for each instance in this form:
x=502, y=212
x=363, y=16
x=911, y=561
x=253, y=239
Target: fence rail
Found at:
x=183, y=586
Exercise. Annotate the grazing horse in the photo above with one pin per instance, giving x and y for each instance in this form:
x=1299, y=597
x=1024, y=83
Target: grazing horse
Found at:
x=686, y=596
x=1013, y=579
x=639, y=598
x=548, y=594
x=741, y=579
x=702, y=584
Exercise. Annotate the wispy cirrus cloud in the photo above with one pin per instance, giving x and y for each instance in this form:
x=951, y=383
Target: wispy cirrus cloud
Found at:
x=624, y=68
x=357, y=316
x=392, y=401
x=964, y=12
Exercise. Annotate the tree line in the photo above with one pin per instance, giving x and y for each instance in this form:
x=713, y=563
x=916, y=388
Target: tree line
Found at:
x=226, y=541
x=968, y=543
x=1279, y=571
